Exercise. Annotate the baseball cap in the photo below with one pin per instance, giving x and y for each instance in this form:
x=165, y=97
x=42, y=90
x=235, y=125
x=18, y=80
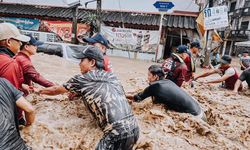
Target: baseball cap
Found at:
x=97, y=38
x=245, y=51
x=33, y=41
x=89, y=51
x=226, y=59
x=195, y=44
x=8, y=30
x=182, y=49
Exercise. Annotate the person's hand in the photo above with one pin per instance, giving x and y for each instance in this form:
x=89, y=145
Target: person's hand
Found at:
x=37, y=90
x=72, y=96
x=130, y=96
x=29, y=89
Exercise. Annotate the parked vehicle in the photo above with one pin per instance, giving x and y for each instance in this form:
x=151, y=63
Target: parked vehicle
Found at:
x=64, y=50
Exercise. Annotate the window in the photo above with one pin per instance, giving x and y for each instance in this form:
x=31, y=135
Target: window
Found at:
x=232, y=6
x=244, y=25
x=42, y=48
x=54, y=49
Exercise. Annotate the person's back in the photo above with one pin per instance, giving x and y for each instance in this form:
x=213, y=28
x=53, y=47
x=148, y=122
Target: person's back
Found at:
x=175, y=69
x=9, y=137
x=103, y=95
x=166, y=92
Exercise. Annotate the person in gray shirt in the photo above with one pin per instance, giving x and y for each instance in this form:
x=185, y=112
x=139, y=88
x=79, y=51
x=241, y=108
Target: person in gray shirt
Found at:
x=10, y=99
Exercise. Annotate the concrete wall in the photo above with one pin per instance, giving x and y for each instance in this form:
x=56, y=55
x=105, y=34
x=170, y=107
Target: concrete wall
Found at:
x=132, y=55
x=136, y=55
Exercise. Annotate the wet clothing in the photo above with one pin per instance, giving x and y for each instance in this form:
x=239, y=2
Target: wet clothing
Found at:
x=175, y=69
x=125, y=140
x=245, y=76
x=107, y=64
x=245, y=62
x=166, y=92
x=10, y=70
x=10, y=138
x=230, y=82
x=104, y=97
x=29, y=71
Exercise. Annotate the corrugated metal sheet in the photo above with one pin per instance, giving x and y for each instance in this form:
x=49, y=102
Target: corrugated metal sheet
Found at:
x=179, y=22
x=107, y=16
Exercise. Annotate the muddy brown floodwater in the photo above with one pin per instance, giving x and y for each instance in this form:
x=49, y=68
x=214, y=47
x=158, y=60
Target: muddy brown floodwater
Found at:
x=67, y=125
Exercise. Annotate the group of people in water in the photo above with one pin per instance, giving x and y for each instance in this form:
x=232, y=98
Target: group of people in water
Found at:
x=99, y=87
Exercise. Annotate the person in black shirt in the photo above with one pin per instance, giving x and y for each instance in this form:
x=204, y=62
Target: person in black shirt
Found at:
x=245, y=76
x=166, y=92
x=105, y=98
x=10, y=99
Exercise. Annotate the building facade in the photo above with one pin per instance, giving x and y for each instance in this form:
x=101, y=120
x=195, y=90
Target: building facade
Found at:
x=239, y=28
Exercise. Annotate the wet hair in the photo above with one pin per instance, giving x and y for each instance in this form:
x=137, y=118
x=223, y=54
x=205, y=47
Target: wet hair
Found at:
x=157, y=70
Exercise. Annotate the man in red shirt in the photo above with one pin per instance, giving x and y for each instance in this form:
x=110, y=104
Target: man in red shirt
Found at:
x=10, y=42
x=229, y=75
x=101, y=42
x=182, y=51
x=29, y=72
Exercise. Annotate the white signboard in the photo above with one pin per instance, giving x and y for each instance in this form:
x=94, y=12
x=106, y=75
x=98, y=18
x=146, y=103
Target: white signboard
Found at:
x=215, y=17
x=42, y=36
x=132, y=39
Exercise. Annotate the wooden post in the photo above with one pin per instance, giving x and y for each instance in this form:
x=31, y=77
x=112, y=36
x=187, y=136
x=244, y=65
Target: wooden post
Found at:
x=99, y=14
x=74, y=24
x=181, y=37
x=159, y=41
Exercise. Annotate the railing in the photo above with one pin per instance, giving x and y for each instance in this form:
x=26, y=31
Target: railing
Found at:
x=241, y=12
x=240, y=34
x=246, y=11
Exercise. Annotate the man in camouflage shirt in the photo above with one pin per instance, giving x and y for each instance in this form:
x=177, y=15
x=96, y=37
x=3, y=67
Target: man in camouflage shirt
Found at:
x=105, y=98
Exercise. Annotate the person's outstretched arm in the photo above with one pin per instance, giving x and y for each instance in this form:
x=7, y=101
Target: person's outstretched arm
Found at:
x=29, y=111
x=142, y=95
x=223, y=78
x=54, y=90
x=205, y=74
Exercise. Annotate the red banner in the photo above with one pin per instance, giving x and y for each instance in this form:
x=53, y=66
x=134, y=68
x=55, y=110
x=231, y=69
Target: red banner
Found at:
x=63, y=28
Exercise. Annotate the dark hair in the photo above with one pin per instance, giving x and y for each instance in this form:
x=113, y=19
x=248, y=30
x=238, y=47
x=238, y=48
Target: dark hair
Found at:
x=195, y=44
x=157, y=70
x=23, y=44
x=227, y=58
x=99, y=64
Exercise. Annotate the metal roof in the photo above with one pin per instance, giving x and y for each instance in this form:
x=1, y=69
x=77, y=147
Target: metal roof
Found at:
x=173, y=21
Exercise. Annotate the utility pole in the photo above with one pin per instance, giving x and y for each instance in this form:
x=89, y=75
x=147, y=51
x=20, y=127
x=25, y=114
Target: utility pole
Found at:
x=74, y=24
x=208, y=41
x=99, y=14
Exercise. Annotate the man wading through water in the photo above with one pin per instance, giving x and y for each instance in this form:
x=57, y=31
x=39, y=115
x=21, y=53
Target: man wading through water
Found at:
x=105, y=98
x=164, y=91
